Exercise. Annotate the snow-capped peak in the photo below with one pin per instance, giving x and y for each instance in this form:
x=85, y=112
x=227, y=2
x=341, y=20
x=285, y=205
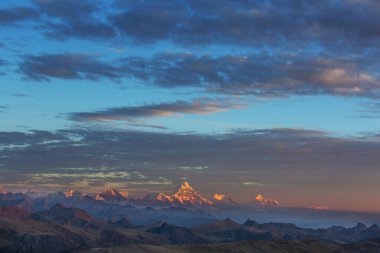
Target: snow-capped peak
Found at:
x=266, y=202
x=186, y=186
x=223, y=200
x=73, y=194
x=219, y=197
x=112, y=195
x=186, y=196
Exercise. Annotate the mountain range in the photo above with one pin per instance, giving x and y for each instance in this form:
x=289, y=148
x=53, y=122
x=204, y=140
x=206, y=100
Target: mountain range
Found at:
x=185, y=196
x=185, y=221
x=64, y=229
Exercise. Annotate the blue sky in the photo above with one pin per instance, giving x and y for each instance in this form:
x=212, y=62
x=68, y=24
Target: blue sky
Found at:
x=191, y=69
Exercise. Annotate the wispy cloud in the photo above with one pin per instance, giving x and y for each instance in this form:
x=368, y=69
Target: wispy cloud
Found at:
x=67, y=66
x=131, y=113
x=3, y=108
x=252, y=184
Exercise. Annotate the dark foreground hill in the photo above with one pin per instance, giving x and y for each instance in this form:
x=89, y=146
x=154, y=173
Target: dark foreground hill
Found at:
x=66, y=229
x=29, y=236
x=310, y=246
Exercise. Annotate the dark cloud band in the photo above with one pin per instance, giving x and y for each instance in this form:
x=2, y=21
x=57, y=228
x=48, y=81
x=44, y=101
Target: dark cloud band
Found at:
x=16, y=14
x=262, y=75
x=338, y=25
x=67, y=66
x=259, y=75
x=286, y=152
x=251, y=23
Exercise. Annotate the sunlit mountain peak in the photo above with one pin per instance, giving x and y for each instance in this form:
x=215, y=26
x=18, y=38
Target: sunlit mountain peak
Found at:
x=165, y=198
x=219, y=197
x=260, y=198
x=223, y=200
x=73, y=193
x=186, y=185
x=266, y=202
x=112, y=195
x=186, y=196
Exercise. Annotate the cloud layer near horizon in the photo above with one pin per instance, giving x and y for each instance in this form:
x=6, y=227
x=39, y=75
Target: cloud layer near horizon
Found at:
x=297, y=157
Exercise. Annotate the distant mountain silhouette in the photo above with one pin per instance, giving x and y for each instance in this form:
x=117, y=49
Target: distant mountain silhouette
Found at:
x=71, y=216
x=178, y=235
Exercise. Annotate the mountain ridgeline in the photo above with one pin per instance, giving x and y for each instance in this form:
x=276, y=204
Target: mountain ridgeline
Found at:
x=185, y=221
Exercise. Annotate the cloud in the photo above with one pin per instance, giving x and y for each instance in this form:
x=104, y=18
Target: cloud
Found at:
x=301, y=161
x=77, y=19
x=69, y=9
x=19, y=94
x=3, y=108
x=147, y=126
x=274, y=24
x=258, y=74
x=61, y=20
x=66, y=66
x=141, y=23
x=270, y=24
x=273, y=157
x=369, y=110
x=94, y=175
x=252, y=184
x=251, y=23
x=16, y=14
x=131, y=113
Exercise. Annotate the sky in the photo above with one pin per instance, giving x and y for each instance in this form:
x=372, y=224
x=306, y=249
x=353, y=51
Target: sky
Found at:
x=237, y=97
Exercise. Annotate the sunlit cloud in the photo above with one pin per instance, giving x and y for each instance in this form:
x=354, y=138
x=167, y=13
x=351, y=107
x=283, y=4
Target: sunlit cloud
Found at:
x=199, y=106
